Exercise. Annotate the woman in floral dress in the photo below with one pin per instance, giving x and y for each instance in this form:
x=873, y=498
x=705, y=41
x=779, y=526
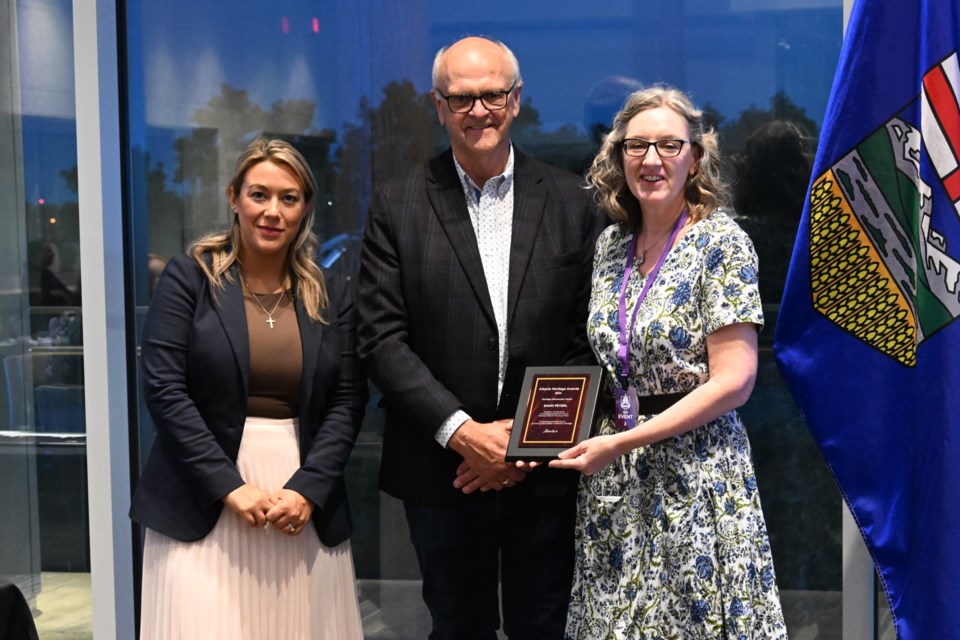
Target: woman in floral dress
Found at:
x=671, y=541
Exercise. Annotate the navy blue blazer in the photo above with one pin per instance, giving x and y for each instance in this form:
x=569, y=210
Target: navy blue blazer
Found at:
x=195, y=357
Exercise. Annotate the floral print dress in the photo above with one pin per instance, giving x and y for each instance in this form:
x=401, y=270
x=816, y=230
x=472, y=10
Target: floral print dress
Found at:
x=671, y=542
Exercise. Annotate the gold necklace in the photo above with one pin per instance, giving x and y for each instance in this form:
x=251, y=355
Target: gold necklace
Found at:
x=643, y=251
x=270, y=319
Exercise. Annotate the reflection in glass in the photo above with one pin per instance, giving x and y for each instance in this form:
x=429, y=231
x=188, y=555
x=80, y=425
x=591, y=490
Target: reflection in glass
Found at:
x=348, y=84
x=45, y=532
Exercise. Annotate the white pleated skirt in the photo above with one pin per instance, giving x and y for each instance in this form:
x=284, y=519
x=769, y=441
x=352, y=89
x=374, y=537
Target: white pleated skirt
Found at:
x=246, y=583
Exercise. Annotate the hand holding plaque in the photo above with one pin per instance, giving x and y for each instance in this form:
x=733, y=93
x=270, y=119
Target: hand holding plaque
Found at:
x=558, y=412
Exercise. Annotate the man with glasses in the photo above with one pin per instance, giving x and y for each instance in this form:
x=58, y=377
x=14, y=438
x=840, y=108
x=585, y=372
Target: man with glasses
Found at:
x=475, y=266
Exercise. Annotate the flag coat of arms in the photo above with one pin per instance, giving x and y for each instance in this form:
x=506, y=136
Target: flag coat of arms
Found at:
x=867, y=336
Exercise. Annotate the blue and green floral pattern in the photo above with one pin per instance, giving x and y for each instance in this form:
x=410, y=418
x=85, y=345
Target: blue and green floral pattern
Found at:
x=671, y=542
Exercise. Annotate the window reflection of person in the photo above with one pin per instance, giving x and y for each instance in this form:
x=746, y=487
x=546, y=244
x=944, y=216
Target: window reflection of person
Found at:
x=155, y=266
x=53, y=292
x=670, y=533
x=250, y=377
x=772, y=176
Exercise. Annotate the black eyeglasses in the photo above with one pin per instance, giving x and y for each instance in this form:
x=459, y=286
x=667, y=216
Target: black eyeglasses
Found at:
x=492, y=100
x=667, y=148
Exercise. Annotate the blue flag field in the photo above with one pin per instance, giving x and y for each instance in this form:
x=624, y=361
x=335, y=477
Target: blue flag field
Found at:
x=867, y=337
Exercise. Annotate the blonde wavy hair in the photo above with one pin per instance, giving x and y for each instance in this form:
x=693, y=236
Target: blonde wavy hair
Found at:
x=217, y=252
x=705, y=190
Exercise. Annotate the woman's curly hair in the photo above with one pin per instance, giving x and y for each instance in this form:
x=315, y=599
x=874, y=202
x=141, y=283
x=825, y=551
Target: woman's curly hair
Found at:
x=705, y=190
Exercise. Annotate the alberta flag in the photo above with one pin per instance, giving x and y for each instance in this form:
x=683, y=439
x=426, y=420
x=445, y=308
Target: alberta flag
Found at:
x=867, y=336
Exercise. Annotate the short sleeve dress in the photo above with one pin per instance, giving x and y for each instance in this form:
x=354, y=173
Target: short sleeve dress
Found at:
x=671, y=541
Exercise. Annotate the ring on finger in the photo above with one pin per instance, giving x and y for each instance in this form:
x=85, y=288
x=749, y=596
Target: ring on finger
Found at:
x=291, y=528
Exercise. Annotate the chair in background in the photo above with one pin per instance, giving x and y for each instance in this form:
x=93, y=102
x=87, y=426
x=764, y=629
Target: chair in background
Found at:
x=45, y=392
x=60, y=408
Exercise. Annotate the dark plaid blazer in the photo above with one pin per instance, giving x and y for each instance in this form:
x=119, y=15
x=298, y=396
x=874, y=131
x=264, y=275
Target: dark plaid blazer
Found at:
x=428, y=337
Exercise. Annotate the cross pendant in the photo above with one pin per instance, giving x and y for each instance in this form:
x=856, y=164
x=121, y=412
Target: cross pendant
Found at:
x=270, y=321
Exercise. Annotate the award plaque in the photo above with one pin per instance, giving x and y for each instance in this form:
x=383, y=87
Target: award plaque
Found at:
x=555, y=412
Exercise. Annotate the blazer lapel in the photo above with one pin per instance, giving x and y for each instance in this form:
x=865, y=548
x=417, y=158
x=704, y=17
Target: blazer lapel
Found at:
x=529, y=201
x=445, y=192
x=233, y=317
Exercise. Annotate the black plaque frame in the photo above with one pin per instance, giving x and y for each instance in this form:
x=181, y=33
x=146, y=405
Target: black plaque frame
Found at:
x=545, y=389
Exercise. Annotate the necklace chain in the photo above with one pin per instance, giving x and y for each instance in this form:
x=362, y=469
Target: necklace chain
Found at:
x=270, y=319
x=643, y=250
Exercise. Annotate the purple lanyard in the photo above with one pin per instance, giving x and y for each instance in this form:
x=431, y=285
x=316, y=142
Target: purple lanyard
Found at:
x=627, y=330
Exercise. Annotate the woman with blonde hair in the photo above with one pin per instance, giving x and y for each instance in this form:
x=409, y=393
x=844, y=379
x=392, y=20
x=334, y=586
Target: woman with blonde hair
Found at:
x=250, y=375
x=671, y=540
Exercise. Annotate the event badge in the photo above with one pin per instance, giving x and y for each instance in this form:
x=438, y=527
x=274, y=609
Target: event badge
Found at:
x=625, y=414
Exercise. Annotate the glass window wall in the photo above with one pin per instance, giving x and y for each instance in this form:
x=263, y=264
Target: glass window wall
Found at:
x=348, y=83
x=44, y=534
